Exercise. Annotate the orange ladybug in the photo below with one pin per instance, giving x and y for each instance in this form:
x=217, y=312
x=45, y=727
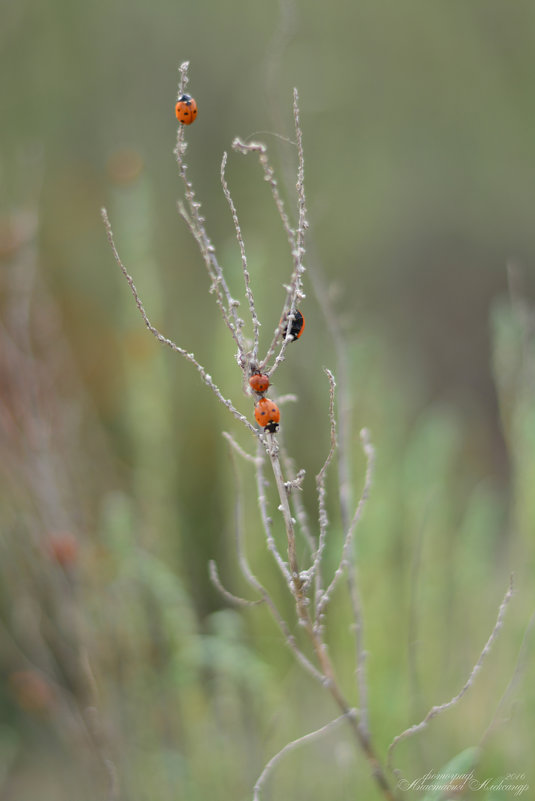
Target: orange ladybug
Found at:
x=259, y=382
x=298, y=326
x=267, y=415
x=186, y=109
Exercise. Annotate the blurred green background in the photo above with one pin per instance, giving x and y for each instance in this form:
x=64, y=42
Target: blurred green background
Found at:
x=121, y=666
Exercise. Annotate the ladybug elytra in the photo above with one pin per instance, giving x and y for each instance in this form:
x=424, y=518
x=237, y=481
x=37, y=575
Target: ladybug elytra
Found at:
x=259, y=382
x=267, y=415
x=186, y=109
x=297, y=328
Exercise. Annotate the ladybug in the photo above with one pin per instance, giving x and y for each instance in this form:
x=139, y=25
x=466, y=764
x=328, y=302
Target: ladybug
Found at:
x=267, y=415
x=186, y=109
x=259, y=382
x=298, y=326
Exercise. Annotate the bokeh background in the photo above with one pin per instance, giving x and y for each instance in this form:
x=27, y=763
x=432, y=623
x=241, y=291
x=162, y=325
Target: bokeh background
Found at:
x=123, y=673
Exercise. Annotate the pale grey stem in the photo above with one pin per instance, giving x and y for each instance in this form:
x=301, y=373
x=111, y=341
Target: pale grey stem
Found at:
x=348, y=542
x=252, y=580
x=294, y=744
x=303, y=224
x=216, y=282
x=235, y=599
x=183, y=79
x=266, y=519
x=294, y=290
x=164, y=340
x=197, y=226
x=345, y=399
x=300, y=511
x=516, y=677
x=273, y=453
x=360, y=651
x=288, y=398
x=437, y=710
x=269, y=177
x=315, y=571
x=239, y=450
x=295, y=238
x=245, y=270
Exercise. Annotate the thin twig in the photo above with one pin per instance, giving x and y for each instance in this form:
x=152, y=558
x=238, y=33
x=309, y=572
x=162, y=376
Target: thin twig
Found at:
x=297, y=502
x=437, y=710
x=254, y=582
x=235, y=599
x=323, y=519
x=164, y=340
x=267, y=522
x=515, y=678
x=239, y=450
x=227, y=304
x=294, y=291
x=290, y=397
x=301, y=197
x=269, y=177
x=245, y=270
x=414, y=610
x=314, y=631
x=348, y=542
x=215, y=286
x=296, y=584
x=306, y=738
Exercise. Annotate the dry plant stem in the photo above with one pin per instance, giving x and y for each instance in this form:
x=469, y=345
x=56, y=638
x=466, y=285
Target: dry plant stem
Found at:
x=344, y=393
x=297, y=585
x=252, y=580
x=269, y=177
x=233, y=327
x=288, y=398
x=246, y=276
x=195, y=221
x=266, y=519
x=294, y=290
x=344, y=484
x=437, y=710
x=414, y=611
x=300, y=511
x=348, y=542
x=161, y=338
x=228, y=306
x=229, y=596
x=294, y=744
x=344, y=474
x=184, y=79
x=515, y=678
x=257, y=147
x=239, y=450
x=315, y=571
x=313, y=630
x=360, y=652
x=300, y=186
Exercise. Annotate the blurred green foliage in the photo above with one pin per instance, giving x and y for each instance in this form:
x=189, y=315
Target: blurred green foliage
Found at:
x=120, y=664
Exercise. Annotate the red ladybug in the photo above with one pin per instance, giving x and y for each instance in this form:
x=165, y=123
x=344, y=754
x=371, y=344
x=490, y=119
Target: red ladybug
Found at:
x=259, y=382
x=267, y=415
x=186, y=109
x=298, y=326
